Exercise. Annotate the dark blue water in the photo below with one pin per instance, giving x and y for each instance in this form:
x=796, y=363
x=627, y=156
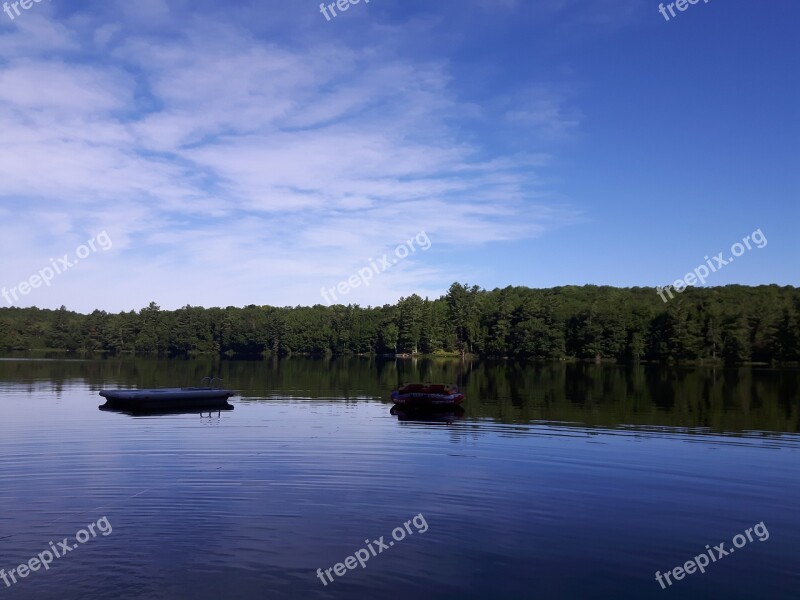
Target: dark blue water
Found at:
x=631, y=472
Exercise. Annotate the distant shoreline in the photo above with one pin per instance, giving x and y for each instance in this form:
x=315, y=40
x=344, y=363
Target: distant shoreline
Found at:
x=731, y=325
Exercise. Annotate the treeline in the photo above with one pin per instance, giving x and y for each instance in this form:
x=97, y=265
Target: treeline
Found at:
x=736, y=324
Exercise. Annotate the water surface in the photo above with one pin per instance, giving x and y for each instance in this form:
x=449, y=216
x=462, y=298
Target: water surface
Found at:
x=557, y=481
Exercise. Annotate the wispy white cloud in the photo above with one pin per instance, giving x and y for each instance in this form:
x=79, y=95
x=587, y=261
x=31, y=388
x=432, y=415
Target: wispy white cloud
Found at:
x=230, y=170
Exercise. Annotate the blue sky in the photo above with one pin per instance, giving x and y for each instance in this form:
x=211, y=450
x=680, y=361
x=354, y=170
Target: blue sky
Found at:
x=254, y=152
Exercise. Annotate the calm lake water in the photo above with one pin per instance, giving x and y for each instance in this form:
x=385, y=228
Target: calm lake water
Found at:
x=557, y=481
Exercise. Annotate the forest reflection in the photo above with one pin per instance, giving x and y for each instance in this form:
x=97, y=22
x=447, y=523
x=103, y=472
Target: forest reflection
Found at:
x=717, y=399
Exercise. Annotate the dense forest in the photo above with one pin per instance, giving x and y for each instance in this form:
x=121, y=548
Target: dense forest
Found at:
x=735, y=324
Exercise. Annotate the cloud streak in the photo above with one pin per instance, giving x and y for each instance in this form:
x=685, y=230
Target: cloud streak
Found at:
x=233, y=170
